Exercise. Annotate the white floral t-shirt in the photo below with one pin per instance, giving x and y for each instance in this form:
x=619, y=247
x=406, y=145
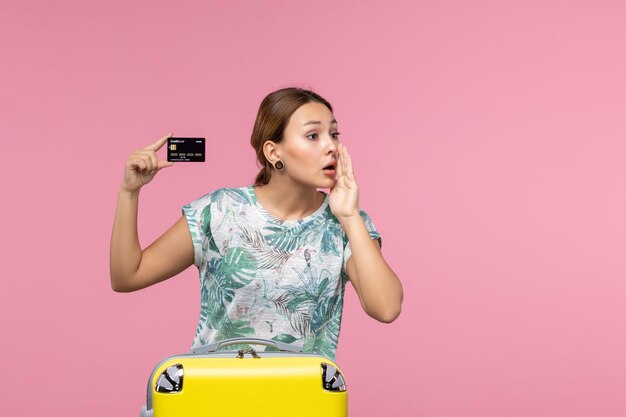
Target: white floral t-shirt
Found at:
x=265, y=277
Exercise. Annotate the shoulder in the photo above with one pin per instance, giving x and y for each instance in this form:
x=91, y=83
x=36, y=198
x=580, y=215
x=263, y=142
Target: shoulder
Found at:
x=221, y=197
x=329, y=216
x=231, y=197
x=366, y=217
x=215, y=207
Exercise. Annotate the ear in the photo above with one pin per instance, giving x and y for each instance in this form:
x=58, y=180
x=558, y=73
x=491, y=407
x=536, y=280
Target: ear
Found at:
x=271, y=150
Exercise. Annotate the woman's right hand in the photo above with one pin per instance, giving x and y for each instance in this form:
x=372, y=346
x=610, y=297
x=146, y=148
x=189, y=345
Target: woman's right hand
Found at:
x=142, y=165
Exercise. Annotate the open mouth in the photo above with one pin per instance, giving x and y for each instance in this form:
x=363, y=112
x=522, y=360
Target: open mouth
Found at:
x=329, y=170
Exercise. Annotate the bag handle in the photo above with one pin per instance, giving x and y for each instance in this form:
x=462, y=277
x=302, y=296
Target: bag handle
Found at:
x=214, y=347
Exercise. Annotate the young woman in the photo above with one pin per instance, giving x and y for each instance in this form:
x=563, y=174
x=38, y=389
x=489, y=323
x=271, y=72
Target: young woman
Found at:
x=274, y=257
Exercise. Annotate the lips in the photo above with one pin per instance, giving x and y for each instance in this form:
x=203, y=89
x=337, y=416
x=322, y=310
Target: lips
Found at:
x=330, y=169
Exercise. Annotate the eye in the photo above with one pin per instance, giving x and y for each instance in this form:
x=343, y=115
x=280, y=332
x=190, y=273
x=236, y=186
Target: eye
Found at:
x=312, y=136
x=335, y=135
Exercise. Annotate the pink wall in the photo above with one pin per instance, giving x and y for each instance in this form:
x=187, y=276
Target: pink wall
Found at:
x=488, y=138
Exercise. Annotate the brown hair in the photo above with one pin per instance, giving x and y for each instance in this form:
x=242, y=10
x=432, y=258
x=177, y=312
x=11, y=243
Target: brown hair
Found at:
x=271, y=120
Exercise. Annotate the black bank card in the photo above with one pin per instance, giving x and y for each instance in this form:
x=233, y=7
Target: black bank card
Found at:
x=185, y=149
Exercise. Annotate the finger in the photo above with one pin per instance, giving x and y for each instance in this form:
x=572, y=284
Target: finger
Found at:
x=349, y=169
x=149, y=156
x=164, y=164
x=137, y=163
x=339, y=162
x=148, y=163
x=133, y=164
x=159, y=143
x=344, y=162
x=148, y=160
x=154, y=162
x=151, y=163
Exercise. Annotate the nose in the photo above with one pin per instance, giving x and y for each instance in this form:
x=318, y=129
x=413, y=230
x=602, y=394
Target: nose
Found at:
x=332, y=145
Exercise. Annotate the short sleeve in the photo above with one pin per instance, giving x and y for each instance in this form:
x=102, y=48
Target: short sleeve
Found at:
x=347, y=252
x=198, y=215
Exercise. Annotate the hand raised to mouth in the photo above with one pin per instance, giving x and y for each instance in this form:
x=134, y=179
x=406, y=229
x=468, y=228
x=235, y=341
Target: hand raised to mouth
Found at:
x=344, y=195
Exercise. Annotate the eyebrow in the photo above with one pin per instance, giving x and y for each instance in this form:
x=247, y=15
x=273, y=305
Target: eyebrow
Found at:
x=317, y=122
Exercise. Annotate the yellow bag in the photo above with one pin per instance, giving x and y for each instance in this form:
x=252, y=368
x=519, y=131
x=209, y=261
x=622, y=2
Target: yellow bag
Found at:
x=282, y=383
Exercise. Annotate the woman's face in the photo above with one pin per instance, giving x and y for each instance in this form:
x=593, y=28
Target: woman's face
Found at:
x=309, y=146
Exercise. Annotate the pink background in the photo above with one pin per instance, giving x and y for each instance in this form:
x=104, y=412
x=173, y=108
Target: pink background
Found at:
x=488, y=138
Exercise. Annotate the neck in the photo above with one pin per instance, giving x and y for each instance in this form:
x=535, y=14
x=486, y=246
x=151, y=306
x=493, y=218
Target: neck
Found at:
x=287, y=200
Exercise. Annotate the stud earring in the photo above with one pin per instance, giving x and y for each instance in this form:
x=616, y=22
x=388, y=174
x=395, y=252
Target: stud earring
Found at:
x=279, y=165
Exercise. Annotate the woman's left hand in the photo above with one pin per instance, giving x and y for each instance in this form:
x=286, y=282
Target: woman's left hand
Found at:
x=344, y=195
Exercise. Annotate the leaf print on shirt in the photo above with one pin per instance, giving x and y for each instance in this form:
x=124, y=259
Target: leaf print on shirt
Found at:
x=322, y=230
x=325, y=326
x=284, y=338
x=328, y=229
x=268, y=257
x=290, y=238
x=193, y=224
x=212, y=317
x=298, y=303
x=226, y=275
x=206, y=227
x=313, y=287
x=236, y=194
x=234, y=328
x=295, y=312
